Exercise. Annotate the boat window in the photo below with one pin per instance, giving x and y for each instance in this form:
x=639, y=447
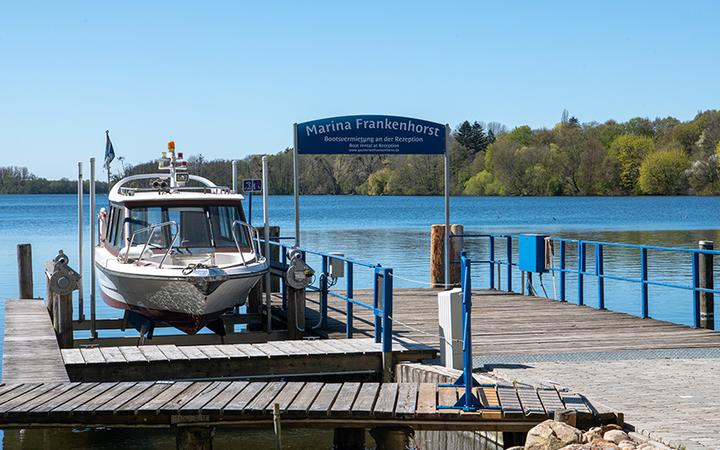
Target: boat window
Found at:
x=199, y=227
x=193, y=223
x=141, y=227
x=222, y=219
x=117, y=226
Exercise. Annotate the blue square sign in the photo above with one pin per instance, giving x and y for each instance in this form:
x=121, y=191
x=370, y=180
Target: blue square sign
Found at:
x=252, y=185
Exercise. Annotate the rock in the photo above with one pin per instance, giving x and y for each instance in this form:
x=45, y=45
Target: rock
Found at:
x=627, y=445
x=616, y=436
x=517, y=447
x=593, y=433
x=552, y=435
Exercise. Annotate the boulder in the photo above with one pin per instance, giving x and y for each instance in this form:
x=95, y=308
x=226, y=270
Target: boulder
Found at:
x=616, y=436
x=627, y=445
x=552, y=435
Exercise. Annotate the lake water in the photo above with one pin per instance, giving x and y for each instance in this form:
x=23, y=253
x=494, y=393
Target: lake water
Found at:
x=394, y=231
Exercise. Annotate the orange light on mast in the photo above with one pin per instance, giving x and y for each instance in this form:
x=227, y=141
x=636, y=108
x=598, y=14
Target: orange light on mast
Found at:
x=171, y=146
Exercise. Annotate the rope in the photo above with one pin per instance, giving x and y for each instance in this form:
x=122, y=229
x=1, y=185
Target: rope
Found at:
x=423, y=283
x=418, y=330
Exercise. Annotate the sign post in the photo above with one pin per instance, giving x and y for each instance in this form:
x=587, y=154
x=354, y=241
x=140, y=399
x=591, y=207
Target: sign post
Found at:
x=372, y=135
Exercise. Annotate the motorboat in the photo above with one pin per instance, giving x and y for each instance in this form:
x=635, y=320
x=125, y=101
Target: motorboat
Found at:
x=175, y=248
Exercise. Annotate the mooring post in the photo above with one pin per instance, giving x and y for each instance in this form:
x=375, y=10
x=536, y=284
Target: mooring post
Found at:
x=437, y=256
x=456, y=247
x=194, y=438
x=63, y=319
x=392, y=438
x=707, y=299
x=274, y=256
x=349, y=439
x=25, y=275
x=295, y=313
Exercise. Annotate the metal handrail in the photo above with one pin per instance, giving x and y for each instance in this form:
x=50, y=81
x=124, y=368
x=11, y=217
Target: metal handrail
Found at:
x=254, y=242
x=599, y=272
x=152, y=229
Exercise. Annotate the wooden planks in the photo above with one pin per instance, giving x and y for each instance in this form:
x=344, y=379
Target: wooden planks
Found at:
x=500, y=330
x=163, y=362
x=30, y=353
x=368, y=404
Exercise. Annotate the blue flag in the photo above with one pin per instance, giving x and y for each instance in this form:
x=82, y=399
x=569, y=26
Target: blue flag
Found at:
x=109, y=150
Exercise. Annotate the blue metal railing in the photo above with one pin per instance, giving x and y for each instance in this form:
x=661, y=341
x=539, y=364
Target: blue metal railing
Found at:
x=599, y=274
x=381, y=307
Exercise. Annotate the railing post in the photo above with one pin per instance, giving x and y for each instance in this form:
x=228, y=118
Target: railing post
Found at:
x=562, y=272
x=599, y=271
x=696, y=284
x=581, y=270
x=508, y=247
x=377, y=292
x=491, y=257
x=644, y=275
x=348, y=304
x=707, y=299
x=387, y=324
x=471, y=402
x=323, y=292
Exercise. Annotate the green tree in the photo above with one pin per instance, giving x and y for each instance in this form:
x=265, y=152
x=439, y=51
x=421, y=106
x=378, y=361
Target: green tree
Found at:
x=664, y=173
x=630, y=150
x=687, y=134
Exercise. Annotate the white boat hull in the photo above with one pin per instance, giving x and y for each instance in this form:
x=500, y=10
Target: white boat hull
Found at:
x=187, y=302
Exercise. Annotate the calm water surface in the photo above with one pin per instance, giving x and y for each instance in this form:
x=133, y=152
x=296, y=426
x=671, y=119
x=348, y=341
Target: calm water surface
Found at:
x=394, y=231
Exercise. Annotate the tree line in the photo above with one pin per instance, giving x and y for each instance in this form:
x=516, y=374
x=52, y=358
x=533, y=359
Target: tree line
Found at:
x=664, y=156
x=19, y=180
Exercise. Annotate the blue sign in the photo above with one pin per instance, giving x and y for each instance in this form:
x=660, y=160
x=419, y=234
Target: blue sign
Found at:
x=361, y=135
x=252, y=185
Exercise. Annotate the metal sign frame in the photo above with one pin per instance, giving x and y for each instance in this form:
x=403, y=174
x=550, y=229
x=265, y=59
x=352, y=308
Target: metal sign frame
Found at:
x=446, y=159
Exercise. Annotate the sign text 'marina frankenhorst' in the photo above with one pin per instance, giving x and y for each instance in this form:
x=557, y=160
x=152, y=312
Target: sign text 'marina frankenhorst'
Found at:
x=370, y=135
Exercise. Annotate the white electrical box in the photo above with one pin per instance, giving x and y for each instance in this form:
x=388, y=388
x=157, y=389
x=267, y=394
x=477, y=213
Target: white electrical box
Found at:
x=450, y=328
x=337, y=266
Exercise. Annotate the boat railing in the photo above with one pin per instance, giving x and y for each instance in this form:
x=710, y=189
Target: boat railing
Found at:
x=152, y=228
x=130, y=191
x=253, y=237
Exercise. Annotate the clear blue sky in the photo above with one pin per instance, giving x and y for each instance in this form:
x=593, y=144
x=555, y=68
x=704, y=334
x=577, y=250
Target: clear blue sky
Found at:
x=228, y=79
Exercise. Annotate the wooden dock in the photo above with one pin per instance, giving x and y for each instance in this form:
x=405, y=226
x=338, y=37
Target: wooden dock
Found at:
x=271, y=359
x=514, y=324
x=31, y=352
x=251, y=404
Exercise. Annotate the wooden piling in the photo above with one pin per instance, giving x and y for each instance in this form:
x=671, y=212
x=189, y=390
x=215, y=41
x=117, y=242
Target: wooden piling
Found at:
x=707, y=304
x=456, y=246
x=194, y=438
x=392, y=438
x=274, y=256
x=295, y=313
x=25, y=276
x=62, y=319
x=437, y=255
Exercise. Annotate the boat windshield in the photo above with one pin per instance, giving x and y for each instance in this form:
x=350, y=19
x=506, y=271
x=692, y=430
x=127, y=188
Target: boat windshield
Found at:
x=199, y=227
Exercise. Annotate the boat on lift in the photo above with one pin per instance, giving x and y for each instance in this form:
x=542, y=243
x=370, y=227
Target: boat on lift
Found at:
x=176, y=248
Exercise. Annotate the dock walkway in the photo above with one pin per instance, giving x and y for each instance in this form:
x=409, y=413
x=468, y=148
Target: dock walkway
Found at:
x=251, y=404
x=662, y=376
x=31, y=352
x=301, y=358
